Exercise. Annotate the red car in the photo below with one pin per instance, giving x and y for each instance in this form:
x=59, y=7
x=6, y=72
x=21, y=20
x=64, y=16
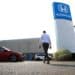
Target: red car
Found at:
x=9, y=55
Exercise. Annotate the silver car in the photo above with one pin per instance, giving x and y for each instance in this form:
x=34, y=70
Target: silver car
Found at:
x=40, y=56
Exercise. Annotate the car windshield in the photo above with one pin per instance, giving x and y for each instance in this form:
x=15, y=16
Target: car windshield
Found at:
x=4, y=49
x=40, y=54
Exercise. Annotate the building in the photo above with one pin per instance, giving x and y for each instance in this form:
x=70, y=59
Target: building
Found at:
x=24, y=45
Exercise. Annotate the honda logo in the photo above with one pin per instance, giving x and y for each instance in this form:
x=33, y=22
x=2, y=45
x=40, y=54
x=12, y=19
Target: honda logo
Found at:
x=62, y=8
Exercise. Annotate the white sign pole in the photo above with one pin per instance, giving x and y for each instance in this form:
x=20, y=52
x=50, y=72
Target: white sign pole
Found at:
x=65, y=37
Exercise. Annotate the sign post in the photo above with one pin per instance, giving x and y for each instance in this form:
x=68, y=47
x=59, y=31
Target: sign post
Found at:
x=65, y=37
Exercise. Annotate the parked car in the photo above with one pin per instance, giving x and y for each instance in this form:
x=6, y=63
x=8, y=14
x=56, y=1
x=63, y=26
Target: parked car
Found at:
x=40, y=56
x=10, y=55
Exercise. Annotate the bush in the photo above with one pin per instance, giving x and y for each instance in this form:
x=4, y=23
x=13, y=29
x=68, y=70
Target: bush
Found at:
x=63, y=55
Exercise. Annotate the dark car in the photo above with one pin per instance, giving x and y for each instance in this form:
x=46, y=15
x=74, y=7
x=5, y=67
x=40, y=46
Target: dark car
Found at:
x=10, y=55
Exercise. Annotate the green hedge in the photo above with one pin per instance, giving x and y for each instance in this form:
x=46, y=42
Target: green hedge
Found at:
x=63, y=55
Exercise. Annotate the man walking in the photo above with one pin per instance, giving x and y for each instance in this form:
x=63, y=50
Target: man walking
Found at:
x=46, y=42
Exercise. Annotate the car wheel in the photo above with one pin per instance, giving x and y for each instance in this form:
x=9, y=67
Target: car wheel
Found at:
x=13, y=58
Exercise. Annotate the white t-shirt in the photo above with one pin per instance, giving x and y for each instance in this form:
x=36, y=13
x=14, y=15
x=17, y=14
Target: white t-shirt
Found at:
x=45, y=38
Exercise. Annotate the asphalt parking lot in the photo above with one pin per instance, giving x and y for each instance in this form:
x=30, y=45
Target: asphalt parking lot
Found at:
x=37, y=68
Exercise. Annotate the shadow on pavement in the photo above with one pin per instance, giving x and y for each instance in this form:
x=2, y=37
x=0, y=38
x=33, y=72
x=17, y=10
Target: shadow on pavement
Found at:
x=63, y=65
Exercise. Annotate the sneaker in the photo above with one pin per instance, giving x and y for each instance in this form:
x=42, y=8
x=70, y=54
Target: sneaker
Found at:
x=48, y=62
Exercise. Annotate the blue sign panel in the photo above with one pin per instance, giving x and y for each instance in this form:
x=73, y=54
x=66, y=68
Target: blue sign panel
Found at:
x=61, y=11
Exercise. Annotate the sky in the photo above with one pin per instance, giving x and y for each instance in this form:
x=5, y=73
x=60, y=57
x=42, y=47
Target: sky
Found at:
x=27, y=18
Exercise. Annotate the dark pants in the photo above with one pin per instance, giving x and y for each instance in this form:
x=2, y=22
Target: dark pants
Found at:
x=45, y=47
